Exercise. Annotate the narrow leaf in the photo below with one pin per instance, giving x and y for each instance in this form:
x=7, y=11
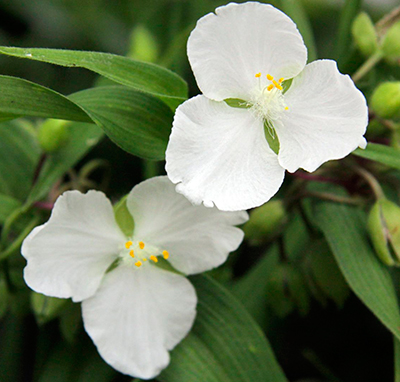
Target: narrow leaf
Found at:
x=7, y=205
x=396, y=359
x=225, y=344
x=141, y=76
x=380, y=153
x=137, y=122
x=344, y=229
x=19, y=97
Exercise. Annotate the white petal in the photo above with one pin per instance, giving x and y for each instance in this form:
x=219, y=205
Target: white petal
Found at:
x=68, y=256
x=137, y=315
x=228, y=48
x=326, y=120
x=197, y=238
x=220, y=155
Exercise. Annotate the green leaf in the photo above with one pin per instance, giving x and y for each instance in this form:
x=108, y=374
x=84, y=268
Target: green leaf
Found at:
x=343, y=38
x=81, y=138
x=225, y=344
x=380, y=153
x=4, y=296
x=19, y=97
x=344, y=229
x=19, y=154
x=7, y=206
x=46, y=308
x=135, y=121
x=124, y=217
x=142, y=76
x=295, y=10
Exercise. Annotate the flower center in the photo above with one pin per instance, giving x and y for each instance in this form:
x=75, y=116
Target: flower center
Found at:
x=137, y=253
x=268, y=102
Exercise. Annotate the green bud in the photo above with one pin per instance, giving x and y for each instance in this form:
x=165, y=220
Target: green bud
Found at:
x=364, y=34
x=391, y=44
x=143, y=46
x=385, y=101
x=265, y=222
x=53, y=134
x=384, y=230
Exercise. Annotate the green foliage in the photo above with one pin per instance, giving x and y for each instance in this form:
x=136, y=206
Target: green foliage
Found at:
x=380, y=153
x=225, y=344
x=364, y=34
x=141, y=76
x=52, y=134
x=391, y=44
x=385, y=101
x=124, y=217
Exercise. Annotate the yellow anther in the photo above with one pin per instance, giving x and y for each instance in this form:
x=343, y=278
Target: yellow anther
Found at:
x=165, y=254
x=270, y=77
x=141, y=244
x=152, y=257
x=131, y=253
x=144, y=259
x=277, y=85
x=128, y=244
x=270, y=87
x=258, y=75
x=281, y=80
x=287, y=108
x=138, y=263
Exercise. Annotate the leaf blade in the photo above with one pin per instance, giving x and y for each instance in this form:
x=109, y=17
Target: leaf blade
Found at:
x=380, y=153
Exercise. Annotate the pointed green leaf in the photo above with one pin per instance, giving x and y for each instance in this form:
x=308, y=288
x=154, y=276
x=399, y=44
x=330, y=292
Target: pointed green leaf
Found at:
x=380, y=153
x=19, y=97
x=344, y=229
x=225, y=343
x=7, y=206
x=146, y=77
x=138, y=123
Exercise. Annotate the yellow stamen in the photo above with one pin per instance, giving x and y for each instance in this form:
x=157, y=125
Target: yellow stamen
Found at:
x=277, y=85
x=152, y=257
x=270, y=77
x=128, y=244
x=138, y=263
x=131, y=253
x=281, y=80
x=287, y=108
x=165, y=254
x=141, y=244
x=270, y=87
x=144, y=259
x=258, y=75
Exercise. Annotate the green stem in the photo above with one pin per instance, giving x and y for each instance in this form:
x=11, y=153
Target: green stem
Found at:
x=18, y=241
x=15, y=215
x=367, y=66
x=371, y=180
x=150, y=169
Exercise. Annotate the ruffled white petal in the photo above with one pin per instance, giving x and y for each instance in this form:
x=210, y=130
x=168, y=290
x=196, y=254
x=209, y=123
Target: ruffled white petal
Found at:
x=219, y=155
x=137, y=315
x=197, y=238
x=326, y=120
x=68, y=256
x=228, y=48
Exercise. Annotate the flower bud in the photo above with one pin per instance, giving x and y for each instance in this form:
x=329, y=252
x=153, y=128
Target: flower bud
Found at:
x=384, y=230
x=52, y=134
x=265, y=222
x=385, y=101
x=364, y=34
x=391, y=44
x=143, y=46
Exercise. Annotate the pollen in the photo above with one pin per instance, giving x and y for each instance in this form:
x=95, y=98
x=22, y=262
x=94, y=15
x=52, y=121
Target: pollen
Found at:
x=128, y=244
x=138, y=264
x=281, y=80
x=287, y=108
x=141, y=244
x=131, y=253
x=165, y=254
x=277, y=85
x=270, y=87
x=258, y=75
x=270, y=78
x=144, y=259
x=152, y=257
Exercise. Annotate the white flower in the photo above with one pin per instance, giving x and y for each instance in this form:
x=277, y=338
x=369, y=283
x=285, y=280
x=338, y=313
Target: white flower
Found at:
x=218, y=154
x=136, y=311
